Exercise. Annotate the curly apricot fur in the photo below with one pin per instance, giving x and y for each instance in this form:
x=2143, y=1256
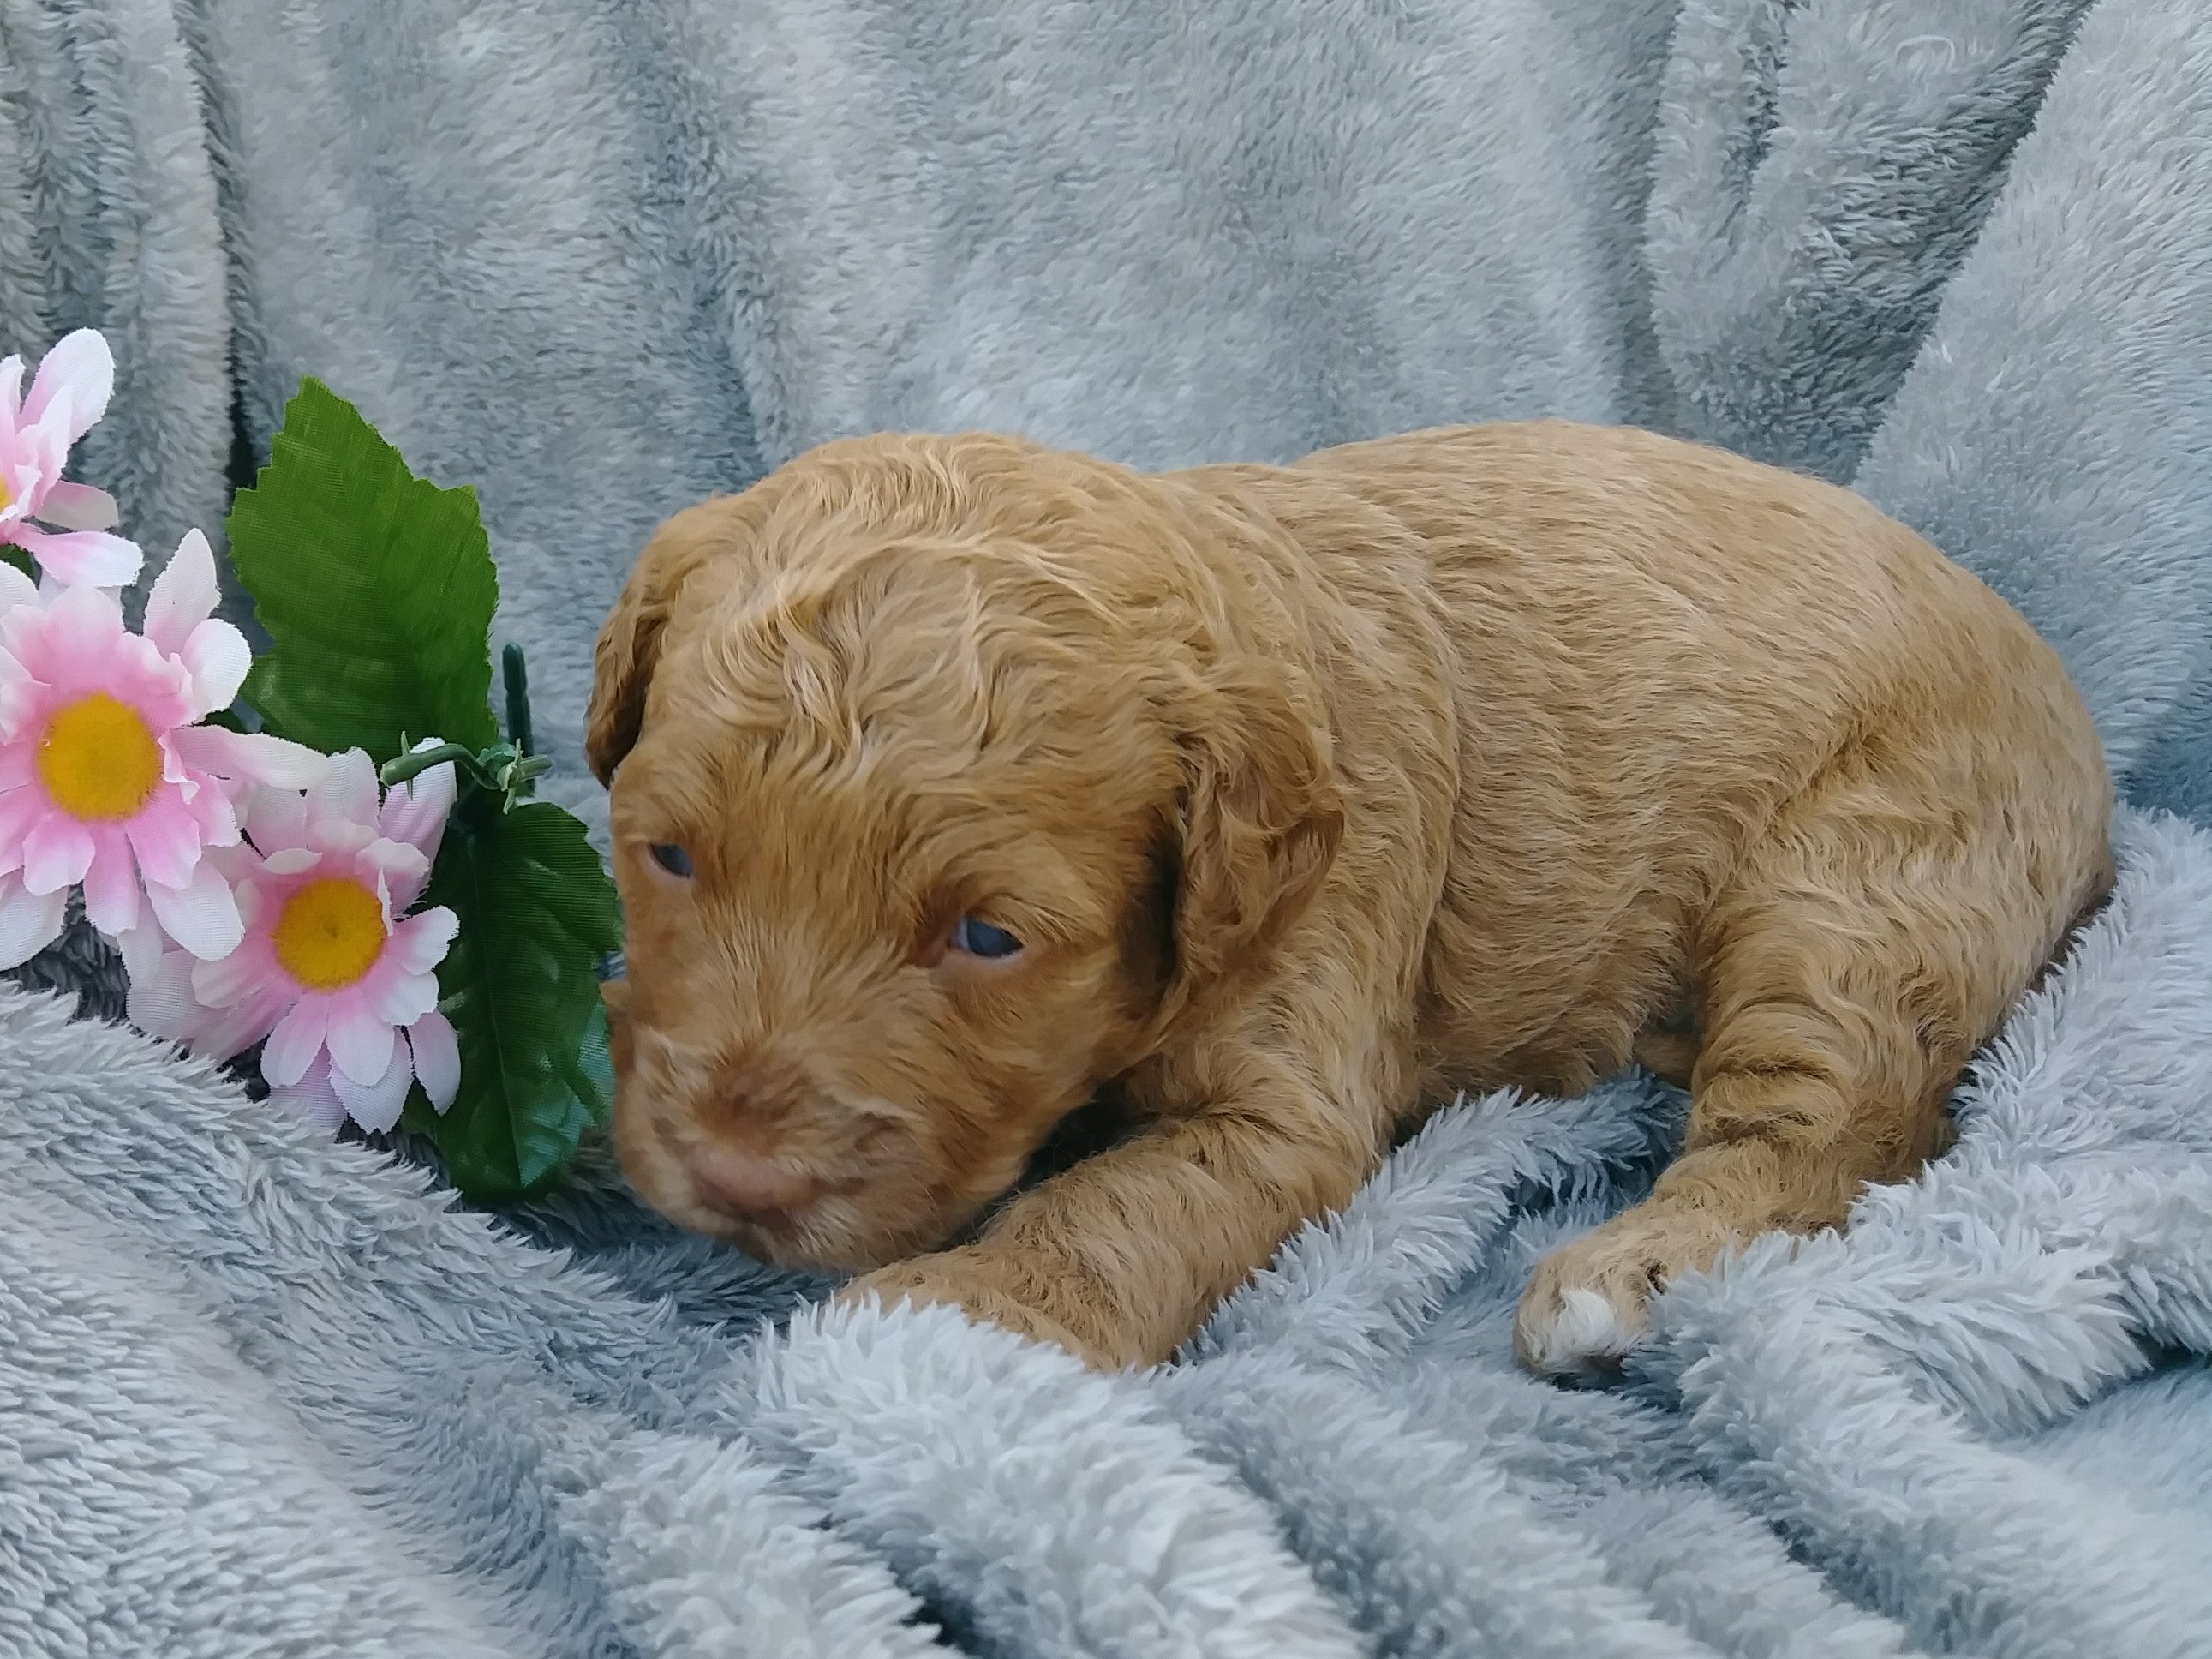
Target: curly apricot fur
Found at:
x=1474, y=757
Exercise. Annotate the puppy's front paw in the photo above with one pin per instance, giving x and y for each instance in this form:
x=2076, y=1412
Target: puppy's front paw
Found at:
x=1584, y=1306
x=957, y=1279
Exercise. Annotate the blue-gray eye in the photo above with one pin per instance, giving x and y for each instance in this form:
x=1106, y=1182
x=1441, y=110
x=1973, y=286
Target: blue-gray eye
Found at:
x=979, y=939
x=672, y=858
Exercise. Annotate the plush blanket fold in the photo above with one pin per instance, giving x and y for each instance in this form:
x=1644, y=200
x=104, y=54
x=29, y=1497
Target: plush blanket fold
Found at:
x=254, y=1385
x=262, y=1395
x=108, y=220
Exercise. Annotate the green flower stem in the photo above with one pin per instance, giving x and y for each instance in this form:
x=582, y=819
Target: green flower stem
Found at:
x=498, y=770
x=414, y=764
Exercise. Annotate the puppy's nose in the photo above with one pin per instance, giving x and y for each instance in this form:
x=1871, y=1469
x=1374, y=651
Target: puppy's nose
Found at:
x=749, y=1188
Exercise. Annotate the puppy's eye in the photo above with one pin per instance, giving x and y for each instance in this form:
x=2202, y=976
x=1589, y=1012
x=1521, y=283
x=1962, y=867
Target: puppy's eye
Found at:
x=978, y=938
x=672, y=858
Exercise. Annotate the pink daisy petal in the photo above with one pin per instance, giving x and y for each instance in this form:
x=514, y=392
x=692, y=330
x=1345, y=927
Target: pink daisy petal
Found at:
x=399, y=863
x=201, y=915
x=252, y=757
x=231, y=1031
x=360, y=1044
x=217, y=1032
x=347, y=793
x=78, y=636
x=189, y=779
x=341, y=838
x=217, y=656
x=251, y=894
x=89, y=559
x=142, y=949
x=183, y=597
x=79, y=507
x=28, y=921
x=11, y=387
x=313, y=1097
x=19, y=810
x=74, y=380
x=28, y=462
x=407, y=893
x=25, y=476
x=22, y=631
x=416, y=811
x=400, y=998
x=43, y=440
x=437, y=1058
x=111, y=884
x=15, y=588
x=274, y=818
x=26, y=632
x=55, y=854
x=245, y=973
x=419, y=943
x=278, y=762
x=212, y=811
x=292, y=861
x=167, y=839
x=22, y=699
x=294, y=1041
x=376, y=1107
x=129, y=670
x=236, y=861
x=161, y=1002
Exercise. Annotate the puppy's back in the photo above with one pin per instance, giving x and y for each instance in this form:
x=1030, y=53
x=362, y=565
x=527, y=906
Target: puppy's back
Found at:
x=1650, y=609
x=1657, y=646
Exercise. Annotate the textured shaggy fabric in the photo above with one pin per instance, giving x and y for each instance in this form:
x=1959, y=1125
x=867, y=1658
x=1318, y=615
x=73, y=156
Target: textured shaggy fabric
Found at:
x=598, y=257
x=601, y=260
x=1825, y=165
x=108, y=220
x=255, y=1388
x=2054, y=434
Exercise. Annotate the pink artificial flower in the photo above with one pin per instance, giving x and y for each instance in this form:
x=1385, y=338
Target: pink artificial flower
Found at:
x=106, y=779
x=36, y=434
x=332, y=972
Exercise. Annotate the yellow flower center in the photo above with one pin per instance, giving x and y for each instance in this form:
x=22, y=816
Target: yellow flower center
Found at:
x=98, y=760
x=330, y=934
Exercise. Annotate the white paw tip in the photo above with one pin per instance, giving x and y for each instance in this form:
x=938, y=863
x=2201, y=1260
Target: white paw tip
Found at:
x=1586, y=1331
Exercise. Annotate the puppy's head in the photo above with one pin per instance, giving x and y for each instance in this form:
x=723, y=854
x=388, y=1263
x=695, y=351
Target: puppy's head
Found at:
x=942, y=786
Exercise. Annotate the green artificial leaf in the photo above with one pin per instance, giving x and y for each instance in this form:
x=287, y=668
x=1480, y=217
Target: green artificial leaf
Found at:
x=538, y=912
x=376, y=588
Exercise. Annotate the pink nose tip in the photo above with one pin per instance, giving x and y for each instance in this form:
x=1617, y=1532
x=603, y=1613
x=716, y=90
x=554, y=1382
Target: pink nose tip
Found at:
x=747, y=1188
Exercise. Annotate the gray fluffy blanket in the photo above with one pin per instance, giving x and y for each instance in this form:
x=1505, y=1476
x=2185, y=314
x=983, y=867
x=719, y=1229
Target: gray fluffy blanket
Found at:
x=261, y=1395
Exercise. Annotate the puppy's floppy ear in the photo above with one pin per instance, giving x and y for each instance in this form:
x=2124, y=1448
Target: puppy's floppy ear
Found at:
x=628, y=648
x=1261, y=821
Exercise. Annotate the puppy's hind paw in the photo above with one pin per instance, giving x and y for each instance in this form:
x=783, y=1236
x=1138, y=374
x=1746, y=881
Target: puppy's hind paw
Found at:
x=1575, y=1334
x=1585, y=1307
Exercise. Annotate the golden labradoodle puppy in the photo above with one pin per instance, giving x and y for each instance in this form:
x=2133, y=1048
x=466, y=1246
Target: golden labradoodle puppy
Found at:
x=957, y=782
